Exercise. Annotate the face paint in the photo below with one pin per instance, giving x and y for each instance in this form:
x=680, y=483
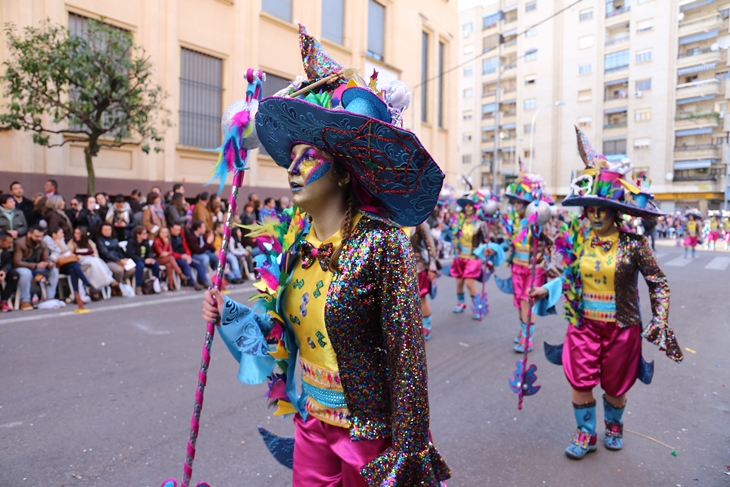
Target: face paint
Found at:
x=599, y=217
x=312, y=166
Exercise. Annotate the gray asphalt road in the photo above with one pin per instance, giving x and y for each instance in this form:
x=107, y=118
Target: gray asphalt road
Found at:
x=104, y=398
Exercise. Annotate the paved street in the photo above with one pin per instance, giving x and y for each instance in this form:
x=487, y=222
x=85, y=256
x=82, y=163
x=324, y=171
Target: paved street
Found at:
x=104, y=398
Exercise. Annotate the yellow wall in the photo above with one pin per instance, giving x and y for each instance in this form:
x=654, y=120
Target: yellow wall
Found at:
x=239, y=33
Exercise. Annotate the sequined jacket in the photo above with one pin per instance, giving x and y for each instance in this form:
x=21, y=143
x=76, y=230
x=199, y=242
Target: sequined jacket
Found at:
x=634, y=255
x=373, y=321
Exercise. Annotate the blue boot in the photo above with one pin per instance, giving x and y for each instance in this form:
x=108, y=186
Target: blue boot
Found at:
x=519, y=336
x=477, y=308
x=426, y=327
x=525, y=340
x=614, y=438
x=585, y=438
x=460, y=304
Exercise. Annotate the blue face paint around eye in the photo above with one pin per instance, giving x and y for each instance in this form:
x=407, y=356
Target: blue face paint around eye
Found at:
x=312, y=166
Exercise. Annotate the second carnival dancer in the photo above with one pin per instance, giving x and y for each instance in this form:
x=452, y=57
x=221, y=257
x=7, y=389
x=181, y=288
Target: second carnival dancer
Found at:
x=470, y=232
x=600, y=284
x=520, y=194
x=428, y=267
x=337, y=289
x=691, y=232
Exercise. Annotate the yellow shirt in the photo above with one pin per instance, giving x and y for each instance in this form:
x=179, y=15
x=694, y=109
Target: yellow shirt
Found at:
x=597, y=270
x=692, y=228
x=522, y=250
x=304, y=305
x=465, y=240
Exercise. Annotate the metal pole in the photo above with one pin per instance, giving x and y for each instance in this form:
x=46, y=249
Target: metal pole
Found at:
x=727, y=178
x=495, y=160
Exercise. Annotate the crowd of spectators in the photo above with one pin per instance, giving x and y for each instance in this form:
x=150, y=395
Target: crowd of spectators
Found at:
x=121, y=244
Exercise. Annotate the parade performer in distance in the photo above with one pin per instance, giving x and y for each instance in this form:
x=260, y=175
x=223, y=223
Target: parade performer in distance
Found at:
x=427, y=266
x=337, y=289
x=599, y=282
x=526, y=189
x=469, y=233
x=714, y=229
x=726, y=228
x=691, y=232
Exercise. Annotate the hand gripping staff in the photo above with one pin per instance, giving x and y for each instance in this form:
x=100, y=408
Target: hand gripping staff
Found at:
x=239, y=138
x=524, y=377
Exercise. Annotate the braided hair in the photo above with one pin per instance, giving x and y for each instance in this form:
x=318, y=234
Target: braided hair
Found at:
x=345, y=229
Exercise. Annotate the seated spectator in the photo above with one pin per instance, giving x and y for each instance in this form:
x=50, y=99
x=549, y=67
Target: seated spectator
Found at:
x=102, y=199
x=178, y=188
x=8, y=275
x=201, y=245
x=67, y=262
x=238, y=250
x=21, y=202
x=32, y=262
x=56, y=217
x=11, y=219
x=112, y=254
x=202, y=213
x=216, y=209
x=248, y=217
x=234, y=277
x=153, y=215
x=121, y=218
x=74, y=211
x=176, y=211
x=89, y=216
x=140, y=251
x=95, y=269
x=39, y=209
x=163, y=253
x=181, y=252
x=135, y=201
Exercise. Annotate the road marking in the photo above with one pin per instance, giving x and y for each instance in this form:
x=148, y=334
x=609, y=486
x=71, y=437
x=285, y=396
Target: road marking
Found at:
x=679, y=262
x=149, y=330
x=11, y=425
x=133, y=304
x=718, y=263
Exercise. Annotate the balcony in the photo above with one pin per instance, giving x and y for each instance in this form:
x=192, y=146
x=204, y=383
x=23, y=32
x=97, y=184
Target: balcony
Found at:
x=697, y=56
x=617, y=125
x=694, y=177
x=697, y=151
x=692, y=26
x=618, y=40
x=617, y=12
x=698, y=88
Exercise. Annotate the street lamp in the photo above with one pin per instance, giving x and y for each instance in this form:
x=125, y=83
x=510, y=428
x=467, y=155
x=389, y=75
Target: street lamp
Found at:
x=532, y=128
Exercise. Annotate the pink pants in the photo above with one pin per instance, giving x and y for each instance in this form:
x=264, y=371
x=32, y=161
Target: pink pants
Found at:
x=602, y=352
x=466, y=268
x=521, y=282
x=424, y=283
x=690, y=241
x=324, y=455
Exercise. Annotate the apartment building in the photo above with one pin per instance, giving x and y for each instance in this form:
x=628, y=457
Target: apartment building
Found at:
x=644, y=79
x=201, y=48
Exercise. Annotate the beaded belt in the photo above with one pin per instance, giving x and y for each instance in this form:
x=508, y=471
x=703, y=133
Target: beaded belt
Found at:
x=326, y=397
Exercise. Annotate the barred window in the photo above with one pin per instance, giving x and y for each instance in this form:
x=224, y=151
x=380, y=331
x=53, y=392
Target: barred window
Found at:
x=530, y=6
x=585, y=69
x=201, y=99
x=272, y=86
x=376, y=30
x=643, y=56
x=643, y=84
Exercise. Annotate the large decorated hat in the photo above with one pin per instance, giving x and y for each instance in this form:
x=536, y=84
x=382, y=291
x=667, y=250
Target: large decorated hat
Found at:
x=609, y=185
x=473, y=198
x=361, y=125
x=528, y=187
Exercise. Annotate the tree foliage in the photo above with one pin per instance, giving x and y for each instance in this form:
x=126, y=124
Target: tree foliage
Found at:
x=96, y=87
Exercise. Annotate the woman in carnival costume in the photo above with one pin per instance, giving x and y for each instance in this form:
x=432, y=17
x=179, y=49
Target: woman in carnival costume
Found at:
x=726, y=228
x=691, y=231
x=521, y=193
x=470, y=232
x=427, y=266
x=338, y=283
x=714, y=229
x=602, y=263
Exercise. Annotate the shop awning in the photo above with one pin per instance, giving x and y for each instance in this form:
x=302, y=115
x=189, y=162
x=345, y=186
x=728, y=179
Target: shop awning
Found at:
x=487, y=129
x=615, y=138
x=698, y=4
x=687, y=132
x=509, y=102
x=617, y=82
x=511, y=32
x=700, y=36
x=684, y=101
x=509, y=126
x=614, y=110
x=694, y=164
x=696, y=69
x=507, y=149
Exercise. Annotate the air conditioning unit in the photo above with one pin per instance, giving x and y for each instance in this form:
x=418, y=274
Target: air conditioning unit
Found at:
x=639, y=94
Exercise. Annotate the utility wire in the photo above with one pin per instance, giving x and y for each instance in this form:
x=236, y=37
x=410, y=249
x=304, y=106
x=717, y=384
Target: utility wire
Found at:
x=555, y=14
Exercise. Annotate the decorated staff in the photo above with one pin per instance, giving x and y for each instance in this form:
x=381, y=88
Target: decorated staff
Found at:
x=490, y=253
x=239, y=138
x=599, y=282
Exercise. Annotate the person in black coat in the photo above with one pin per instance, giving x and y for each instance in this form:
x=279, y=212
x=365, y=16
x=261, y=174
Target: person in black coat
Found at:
x=89, y=216
x=8, y=275
x=140, y=251
x=112, y=253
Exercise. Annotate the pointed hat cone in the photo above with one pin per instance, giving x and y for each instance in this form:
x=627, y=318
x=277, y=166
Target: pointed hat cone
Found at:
x=317, y=63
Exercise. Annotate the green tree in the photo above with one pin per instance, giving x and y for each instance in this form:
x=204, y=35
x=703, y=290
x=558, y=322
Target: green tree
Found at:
x=96, y=88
